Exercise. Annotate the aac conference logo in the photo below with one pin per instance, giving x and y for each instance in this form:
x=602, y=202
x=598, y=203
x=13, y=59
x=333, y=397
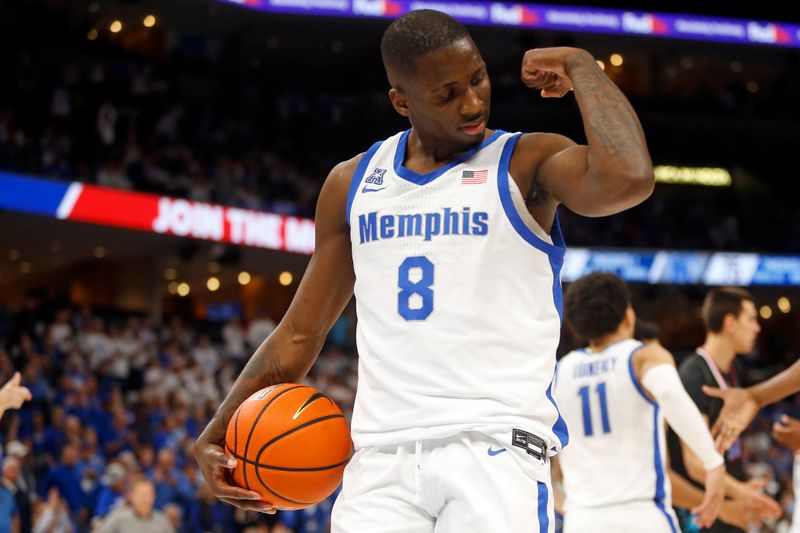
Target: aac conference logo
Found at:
x=377, y=8
x=647, y=24
x=767, y=33
x=515, y=15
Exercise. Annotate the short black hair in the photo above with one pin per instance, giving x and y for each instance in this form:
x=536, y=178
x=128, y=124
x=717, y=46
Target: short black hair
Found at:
x=721, y=302
x=415, y=34
x=595, y=305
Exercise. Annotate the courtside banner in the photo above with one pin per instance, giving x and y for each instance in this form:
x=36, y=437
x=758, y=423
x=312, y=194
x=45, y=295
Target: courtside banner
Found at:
x=157, y=214
x=551, y=17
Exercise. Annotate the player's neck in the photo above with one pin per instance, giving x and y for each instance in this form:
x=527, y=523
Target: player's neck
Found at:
x=720, y=350
x=427, y=151
x=600, y=344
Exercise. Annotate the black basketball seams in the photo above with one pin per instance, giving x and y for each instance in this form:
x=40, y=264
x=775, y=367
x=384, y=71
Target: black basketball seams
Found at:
x=286, y=469
x=255, y=423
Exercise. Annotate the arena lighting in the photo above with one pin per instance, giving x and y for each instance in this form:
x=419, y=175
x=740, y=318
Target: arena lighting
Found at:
x=115, y=27
x=285, y=278
x=13, y=255
x=172, y=288
x=765, y=312
x=170, y=274
x=92, y=35
x=601, y=65
x=243, y=278
x=149, y=21
x=213, y=283
x=183, y=289
x=25, y=267
x=616, y=60
x=706, y=176
x=784, y=305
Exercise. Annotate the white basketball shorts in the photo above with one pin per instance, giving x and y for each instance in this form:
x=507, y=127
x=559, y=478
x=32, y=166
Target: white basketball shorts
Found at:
x=467, y=483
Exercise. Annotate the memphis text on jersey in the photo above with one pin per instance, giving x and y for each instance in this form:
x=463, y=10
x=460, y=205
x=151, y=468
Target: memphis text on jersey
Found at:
x=447, y=221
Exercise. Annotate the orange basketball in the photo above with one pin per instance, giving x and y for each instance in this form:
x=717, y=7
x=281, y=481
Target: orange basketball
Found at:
x=291, y=443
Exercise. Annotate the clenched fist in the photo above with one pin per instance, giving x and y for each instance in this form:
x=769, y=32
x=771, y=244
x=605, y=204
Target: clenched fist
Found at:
x=547, y=69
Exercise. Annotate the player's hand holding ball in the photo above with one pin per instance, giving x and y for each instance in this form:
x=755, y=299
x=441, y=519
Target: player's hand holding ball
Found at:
x=291, y=444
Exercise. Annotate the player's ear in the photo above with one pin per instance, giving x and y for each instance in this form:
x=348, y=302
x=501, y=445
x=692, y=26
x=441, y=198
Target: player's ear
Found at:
x=399, y=101
x=728, y=321
x=630, y=317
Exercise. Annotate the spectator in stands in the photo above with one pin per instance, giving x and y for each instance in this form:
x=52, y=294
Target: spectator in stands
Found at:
x=53, y=515
x=8, y=482
x=9, y=513
x=66, y=475
x=111, y=493
x=139, y=516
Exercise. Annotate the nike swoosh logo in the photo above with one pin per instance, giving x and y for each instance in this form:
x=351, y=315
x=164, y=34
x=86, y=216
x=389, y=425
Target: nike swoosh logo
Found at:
x=492, y=452
x=372, y=190
x=311, y=399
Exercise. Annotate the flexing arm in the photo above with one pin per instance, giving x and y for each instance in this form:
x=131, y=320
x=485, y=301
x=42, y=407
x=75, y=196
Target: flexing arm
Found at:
x=655, y=369
x=288, y=353
x=742, y=405
x=613, y=172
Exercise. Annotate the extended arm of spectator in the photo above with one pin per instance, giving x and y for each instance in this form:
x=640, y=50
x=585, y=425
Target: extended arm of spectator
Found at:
x=12, y=395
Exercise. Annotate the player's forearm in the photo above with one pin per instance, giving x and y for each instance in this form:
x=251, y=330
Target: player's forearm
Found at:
x=734, y=488
x=282, y=358
x=618, y=152
x=777, y=387
x=684, y=494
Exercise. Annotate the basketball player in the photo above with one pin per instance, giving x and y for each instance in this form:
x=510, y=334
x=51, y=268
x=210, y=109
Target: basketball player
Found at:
x=449, y=236
x=731, y=322
x=614, y=396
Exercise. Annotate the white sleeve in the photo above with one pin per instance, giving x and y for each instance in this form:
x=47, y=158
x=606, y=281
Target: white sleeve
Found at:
x=681, y=413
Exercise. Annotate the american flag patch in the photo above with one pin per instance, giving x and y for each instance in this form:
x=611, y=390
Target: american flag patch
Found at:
x=472, y=177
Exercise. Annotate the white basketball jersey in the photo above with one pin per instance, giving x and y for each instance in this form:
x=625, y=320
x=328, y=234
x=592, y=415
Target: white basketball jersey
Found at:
x=458, y=299
x=617, y=448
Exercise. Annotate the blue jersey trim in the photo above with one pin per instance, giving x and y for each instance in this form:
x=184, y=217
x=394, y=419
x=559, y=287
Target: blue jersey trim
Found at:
x=660, y=492
x=544, y=517
x=358, y=175
x=422, y=179
x=635, y=381
x=558, y=248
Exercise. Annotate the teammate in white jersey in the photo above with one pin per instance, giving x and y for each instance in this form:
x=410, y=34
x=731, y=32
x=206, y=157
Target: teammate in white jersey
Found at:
x=615, y=395
x=448, y=236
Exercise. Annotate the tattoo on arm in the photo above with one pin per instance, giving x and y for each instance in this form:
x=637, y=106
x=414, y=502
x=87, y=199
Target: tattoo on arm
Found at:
x=606, y=111
x=262, y=370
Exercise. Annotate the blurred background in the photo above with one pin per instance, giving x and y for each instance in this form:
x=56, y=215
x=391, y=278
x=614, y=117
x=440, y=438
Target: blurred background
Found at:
x=159, y=168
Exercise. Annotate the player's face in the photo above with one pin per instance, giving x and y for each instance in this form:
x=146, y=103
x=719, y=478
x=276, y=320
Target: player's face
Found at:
x=448, y=97
x=745, y=328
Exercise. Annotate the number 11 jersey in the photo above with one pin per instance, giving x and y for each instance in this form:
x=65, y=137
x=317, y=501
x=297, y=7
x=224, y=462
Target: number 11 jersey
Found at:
x=617, y=451
x=458, y=298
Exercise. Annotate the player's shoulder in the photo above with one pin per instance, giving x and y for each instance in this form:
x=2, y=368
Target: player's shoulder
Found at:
x=653, y=353
x=343, y=171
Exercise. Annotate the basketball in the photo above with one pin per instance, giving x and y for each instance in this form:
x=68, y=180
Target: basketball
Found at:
x=291, y=443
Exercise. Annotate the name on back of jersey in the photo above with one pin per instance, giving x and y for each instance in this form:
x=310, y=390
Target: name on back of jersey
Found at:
x=594, y=368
